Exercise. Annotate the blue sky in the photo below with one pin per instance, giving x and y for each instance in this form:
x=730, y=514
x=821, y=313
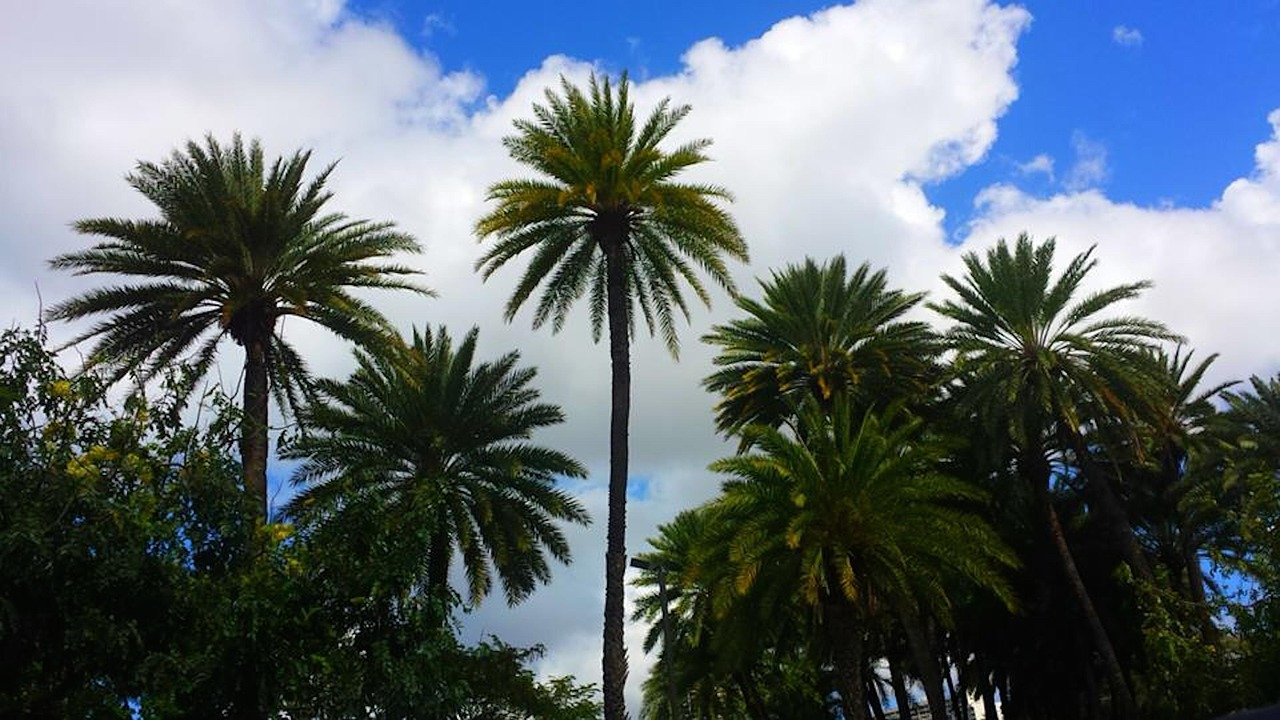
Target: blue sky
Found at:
x=1193, y=79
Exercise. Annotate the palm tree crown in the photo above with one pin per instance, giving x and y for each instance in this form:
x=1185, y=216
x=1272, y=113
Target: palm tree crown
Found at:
x=606, y=187
x=237, y=248
x=817, y=332
x=853, y=516
x=1024, y=344
x=442, y=443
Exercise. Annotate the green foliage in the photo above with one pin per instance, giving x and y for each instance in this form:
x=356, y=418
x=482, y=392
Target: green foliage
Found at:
x=439, y=444
x=817, y=332
x=237, y=247
x=606, y=189
x=135, y=575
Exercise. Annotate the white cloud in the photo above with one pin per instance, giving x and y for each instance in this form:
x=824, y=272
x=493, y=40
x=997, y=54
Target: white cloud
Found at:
x=1126, y=36
x=1213, y=267
x=1089, y=168
x=1039, y=165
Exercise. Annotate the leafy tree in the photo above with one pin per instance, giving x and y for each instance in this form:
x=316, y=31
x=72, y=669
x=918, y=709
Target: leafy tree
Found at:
x=238, y=247
x=606, y=218
x=727, y=658
x=1039, y=364
x=855, y=519
x=819, y=332
x=440, y=443
x=128, y=585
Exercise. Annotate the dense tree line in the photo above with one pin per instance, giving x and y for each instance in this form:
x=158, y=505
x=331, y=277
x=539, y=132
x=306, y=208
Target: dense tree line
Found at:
x=1017, y=507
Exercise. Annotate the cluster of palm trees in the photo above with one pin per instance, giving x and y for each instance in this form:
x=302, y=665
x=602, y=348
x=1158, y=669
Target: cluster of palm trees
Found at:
x=1007, y=508
x=438, y=439
x=985, y=509
x=439, y=442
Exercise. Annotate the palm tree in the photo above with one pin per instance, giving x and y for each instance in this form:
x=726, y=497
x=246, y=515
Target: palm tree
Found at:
x=736, y=659
x=441, y=444
x=237, y=248
x=854, y=518
x=1177, y=478
x=607, y=219
x=819, y=331
x=1039, y=364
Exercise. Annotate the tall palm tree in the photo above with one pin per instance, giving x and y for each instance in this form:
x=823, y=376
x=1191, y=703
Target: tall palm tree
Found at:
x=852, y=516
x=606, y=218
x=441, y=443
x=819, y=331
x=237, y=248
x=1177, y=476
x=1040, y=363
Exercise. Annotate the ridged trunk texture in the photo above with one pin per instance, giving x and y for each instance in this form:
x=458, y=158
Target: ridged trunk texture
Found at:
x=253, y=427
x=926, y=662
x=847, y=657
x=615, y=559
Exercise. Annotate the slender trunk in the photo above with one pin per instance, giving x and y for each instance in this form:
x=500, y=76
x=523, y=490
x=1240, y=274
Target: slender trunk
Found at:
x=1106, y=503
x=750, y=696
x=1121, y=698
x=873, y=697
x=253, y=427
x=989, y=711
x=900, y=694
x=615, y=652
x=668, y=650
x=438, y=566
x=1195, y=587
x=926, y=663
x=847, y=648
x=959, y=703
x=964, y=681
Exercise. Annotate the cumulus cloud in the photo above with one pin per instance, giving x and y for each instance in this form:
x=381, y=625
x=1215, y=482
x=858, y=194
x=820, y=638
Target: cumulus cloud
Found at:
x=1126, y=36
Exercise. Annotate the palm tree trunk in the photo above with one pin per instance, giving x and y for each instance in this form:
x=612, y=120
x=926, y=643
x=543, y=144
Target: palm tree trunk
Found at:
x=253, y=427
x=750, y=695
x=1195, y=589
x=438, y=566
x=846, y=640
x=989, y=711
x=900, y=695
x=615, y=653
x=1121, y=698
x=1110, y=510
x=873, y=697
x=926, y=663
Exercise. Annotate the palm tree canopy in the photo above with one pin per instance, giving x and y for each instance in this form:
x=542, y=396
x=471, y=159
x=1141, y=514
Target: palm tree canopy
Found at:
x=855, y=510
x=443, y=442
x=605, y=186
x=1025, y=345
x=237, y=247
x=818, y=331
